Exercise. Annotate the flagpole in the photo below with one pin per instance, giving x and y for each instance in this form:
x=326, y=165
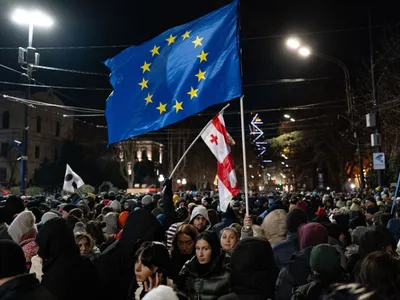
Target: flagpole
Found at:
x=194, y=141
x=246, y=189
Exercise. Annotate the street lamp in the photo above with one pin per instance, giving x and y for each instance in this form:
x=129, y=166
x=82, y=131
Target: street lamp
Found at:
x=161, y=178
x=293, y=43
x=30, y=18
x=184, y=181
x=178, y=181
x=286, y=116
x=293, y=120
x=305, y=51
x=352, y=186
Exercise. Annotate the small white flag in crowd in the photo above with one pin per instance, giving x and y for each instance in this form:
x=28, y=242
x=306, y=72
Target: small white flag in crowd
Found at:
x=72, y=180
x=217, y=139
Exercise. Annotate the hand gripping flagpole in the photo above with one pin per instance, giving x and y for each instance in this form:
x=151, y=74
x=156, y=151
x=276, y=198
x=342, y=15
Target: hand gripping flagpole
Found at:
x=191, y=145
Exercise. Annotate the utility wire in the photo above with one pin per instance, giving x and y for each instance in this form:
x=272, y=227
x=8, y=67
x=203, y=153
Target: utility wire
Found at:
x=91, y=47
x=69, y=70
x=57, y=86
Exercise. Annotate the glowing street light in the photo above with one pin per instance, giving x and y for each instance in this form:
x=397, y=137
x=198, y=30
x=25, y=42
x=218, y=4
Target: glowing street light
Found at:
x=184, y=181
x=293, y=43
x=353, y=186
x=161, y=178
x=178, y=181
x=293, y=120
x=328, y=188
x=304, y=51
x=36, y=18
x=286, y=116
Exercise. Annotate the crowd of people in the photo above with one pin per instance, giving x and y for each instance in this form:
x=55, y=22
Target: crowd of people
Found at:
x=181, y=246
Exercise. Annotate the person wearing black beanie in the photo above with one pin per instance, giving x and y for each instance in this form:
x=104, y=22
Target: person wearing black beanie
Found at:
x=14, y=283
x=283, y=250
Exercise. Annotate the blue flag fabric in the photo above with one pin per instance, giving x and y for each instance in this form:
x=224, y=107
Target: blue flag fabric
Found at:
x=175, y=75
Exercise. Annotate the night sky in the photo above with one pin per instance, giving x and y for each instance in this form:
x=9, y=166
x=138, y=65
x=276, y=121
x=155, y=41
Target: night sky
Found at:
x=336, y=28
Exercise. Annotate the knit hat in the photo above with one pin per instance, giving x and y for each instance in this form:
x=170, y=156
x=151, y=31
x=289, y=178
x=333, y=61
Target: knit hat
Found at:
x=48, y=216
x=181, y=214
x=115, y=205
x=358, y=233
x=312, y=234
x=147, y=200
x=325, y=259
x=68, y=208
x=302, y=205
x=79, y=227
x=122, y=219
x=12, y=259
x=161, y=292
x=294, y=219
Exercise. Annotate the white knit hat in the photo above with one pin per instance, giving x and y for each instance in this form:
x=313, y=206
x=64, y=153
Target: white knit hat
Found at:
x=22, y=224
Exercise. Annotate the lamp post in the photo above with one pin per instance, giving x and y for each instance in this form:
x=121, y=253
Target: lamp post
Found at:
x=294, y=43
x=28, y=56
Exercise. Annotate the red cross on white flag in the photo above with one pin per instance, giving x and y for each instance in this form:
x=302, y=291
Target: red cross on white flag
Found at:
x=216, y=138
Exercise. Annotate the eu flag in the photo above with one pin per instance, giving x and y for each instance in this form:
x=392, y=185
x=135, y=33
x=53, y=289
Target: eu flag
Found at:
x=175, y=75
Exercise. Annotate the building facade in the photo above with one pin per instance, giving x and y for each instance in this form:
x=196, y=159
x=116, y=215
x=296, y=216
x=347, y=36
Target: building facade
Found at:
x=48, y=130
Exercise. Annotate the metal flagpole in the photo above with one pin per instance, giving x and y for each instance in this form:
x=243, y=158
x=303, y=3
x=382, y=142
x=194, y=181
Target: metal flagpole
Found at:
x=194, y=141
x=246, y=192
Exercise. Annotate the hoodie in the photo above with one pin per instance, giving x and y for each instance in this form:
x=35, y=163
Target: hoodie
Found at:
x=199, y=210
x=116, y=263
x=274, y=226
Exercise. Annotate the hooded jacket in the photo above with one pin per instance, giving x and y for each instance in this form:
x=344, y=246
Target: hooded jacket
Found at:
x=253, y=271
x=63, y=266
x=116, y=264
x=284, y=250
x=199, y=210
x=274, y=226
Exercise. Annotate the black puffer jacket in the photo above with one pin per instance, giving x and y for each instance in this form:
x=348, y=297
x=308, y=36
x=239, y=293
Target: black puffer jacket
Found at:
x=210, y=286
x=24, y=287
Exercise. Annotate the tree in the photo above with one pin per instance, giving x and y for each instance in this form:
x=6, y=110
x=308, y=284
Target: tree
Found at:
x=126, y=155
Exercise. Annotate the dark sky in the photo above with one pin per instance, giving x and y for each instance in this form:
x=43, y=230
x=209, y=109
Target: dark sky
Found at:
x=265, y=24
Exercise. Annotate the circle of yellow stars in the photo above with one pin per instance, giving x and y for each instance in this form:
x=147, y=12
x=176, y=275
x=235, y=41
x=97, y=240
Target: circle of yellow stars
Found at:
x=201, y=75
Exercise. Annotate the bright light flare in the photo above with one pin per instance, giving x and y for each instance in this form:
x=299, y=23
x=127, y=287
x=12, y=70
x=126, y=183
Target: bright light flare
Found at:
x=304, y=51
x=293, y=120
x=35, y=18
x=286, y=116
x=293, y=43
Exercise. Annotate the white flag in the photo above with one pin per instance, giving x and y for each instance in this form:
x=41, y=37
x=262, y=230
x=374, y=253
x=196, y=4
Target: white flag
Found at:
x=71, y=180
x=216, y=138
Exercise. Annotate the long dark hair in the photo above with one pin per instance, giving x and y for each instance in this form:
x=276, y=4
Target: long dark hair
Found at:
x=211, y=238
x=155, y=254
x=381, y=272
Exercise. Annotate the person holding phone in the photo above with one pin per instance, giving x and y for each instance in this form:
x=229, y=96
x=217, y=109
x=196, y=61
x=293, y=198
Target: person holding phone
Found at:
x=152, y=268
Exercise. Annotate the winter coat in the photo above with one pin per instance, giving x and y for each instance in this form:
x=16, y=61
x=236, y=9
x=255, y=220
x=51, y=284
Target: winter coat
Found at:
x=24, y=287
x=317, y=286
x=213, y=284
x=4, y=232
x=253, y=270
x=116, y=265
x=284, y=250
x=294, y=274
x=64, y=269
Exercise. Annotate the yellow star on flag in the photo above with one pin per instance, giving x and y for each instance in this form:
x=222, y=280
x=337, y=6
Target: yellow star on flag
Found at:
x=146, y=67
x=162, y=108
x=143, y=84
x=178, y=106
x=200, y=75
x=154, y=51
x=171, y=39
x=197, y=41
x=149, y=98
x=192, y=93
x=186, y=35
x=203, y=56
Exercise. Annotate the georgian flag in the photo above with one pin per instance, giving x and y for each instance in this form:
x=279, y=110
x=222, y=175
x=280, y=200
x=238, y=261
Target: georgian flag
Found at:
x=217, y=139
x=72, y=180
